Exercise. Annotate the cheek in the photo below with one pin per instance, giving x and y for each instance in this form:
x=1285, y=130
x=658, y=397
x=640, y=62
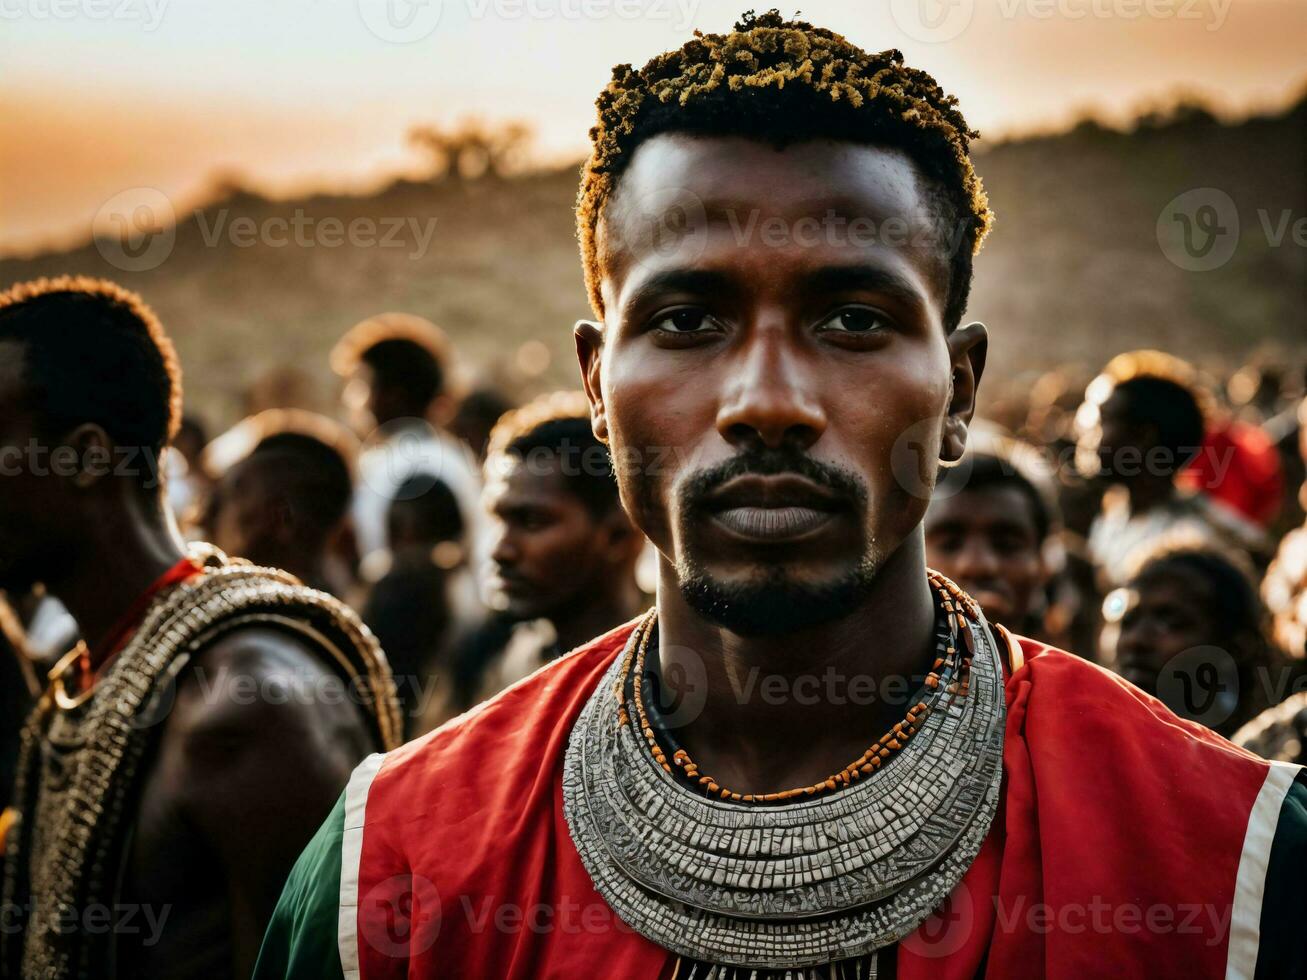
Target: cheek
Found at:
x=659, y=413
x=1022, y=569
x=898, y=429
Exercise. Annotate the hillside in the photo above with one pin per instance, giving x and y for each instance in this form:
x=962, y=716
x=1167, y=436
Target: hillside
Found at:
x=1073, y=270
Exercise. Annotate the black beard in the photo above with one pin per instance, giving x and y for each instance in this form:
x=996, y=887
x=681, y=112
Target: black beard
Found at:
x=773, y=604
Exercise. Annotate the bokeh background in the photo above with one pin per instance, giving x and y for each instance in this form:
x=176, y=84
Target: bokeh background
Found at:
x=268, y=172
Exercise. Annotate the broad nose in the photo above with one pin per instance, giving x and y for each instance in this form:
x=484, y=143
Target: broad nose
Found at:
x=503, y=552
x=772, y=398
x=976, y=559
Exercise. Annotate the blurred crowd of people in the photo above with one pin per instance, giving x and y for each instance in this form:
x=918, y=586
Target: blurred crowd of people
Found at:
x=1149, y=519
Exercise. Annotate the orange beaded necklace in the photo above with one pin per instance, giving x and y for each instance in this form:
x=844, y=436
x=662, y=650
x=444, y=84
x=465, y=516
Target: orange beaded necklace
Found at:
x=957, y=605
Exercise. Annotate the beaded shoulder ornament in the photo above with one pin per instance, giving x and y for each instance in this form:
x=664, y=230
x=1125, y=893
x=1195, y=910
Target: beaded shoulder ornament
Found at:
x=801, y=878
x=121, y=723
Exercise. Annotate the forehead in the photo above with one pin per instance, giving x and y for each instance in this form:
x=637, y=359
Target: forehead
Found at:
x=704, y=201
x=515, y=482
x=1175, y=585
x=1000, y=504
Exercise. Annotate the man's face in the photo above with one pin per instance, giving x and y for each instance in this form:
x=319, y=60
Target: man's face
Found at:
x=987, y=541
x=364, y=401
x=774, y=377
x=1117, y=440
x=240, y=520
x=1165, y=615
x=549, y=550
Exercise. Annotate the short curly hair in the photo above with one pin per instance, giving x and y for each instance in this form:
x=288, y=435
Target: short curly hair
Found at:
x=556, y=426
x=94, y=352
x=784, y=81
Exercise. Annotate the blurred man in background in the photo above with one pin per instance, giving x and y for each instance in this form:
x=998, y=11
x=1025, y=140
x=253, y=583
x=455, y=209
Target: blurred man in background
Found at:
x=987, y=529
x=1141, y=423
x=1187, y=628
x=426, y=603
x=563, y=551
x=284, y=479
x=399, y=396
x=169, y=770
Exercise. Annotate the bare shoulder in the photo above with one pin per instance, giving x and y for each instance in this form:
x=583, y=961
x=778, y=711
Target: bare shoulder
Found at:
x=262, y=682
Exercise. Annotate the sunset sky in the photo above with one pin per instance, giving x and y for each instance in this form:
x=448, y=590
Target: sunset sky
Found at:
x=101, y=96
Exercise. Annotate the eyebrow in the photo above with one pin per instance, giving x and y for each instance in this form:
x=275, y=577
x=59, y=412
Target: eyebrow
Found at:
x=864, y=278
x=696, y=281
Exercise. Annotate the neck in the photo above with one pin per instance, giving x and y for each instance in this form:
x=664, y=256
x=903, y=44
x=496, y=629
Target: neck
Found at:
x=306, y=563
x=122, y=555
x=788, y=710
x=582, y=622
x=1149, y=492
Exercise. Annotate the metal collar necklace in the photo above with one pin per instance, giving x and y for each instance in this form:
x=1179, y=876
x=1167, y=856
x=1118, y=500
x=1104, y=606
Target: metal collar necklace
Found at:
x=787, y=886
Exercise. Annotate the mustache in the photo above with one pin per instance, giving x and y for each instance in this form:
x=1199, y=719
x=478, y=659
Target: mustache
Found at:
x=772, y=462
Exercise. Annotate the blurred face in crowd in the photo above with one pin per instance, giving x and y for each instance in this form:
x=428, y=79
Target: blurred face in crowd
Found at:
x=776, y=404
x=1116, y=435
x=551, y=552
x=365, y=406
x=987, y=541
x=1167, y=612
x=243, y=516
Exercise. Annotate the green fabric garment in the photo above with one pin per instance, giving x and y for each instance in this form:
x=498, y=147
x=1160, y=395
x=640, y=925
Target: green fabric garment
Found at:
x=301, y=941
x=1283, y=948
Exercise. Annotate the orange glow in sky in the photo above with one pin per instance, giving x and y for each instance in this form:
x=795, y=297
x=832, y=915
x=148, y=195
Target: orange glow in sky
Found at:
x=101, y=96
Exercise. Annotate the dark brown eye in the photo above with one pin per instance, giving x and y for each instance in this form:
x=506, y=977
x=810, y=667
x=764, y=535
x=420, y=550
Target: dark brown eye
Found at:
x=687, y=319
x=855, y=319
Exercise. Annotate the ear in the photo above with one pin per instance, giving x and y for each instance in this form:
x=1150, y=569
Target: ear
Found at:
x=589, y=336
x=967, y=346
x=443, y=409
x=94, y=451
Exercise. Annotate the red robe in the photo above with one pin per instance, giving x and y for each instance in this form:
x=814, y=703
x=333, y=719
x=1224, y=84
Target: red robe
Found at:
x=1120, y=848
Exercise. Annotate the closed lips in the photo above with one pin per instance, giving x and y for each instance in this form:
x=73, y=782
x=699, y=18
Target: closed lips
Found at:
x=772, y=507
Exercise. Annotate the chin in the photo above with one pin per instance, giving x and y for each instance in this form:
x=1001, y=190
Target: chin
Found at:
x=775, y=601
